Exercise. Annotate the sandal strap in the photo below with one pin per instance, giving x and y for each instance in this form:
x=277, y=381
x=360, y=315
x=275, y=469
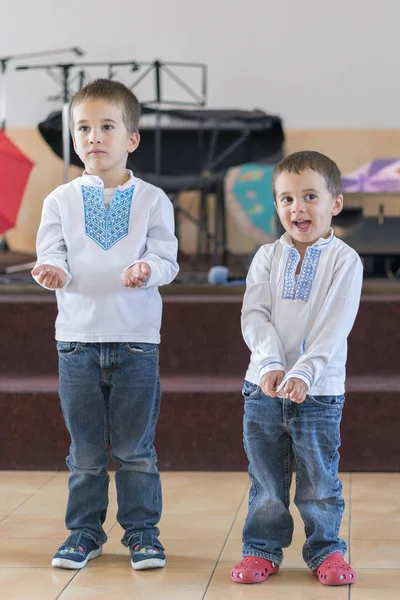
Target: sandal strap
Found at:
x=145, y=538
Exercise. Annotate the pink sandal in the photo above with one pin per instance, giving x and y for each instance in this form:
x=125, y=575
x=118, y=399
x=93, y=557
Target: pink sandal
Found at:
x=334, y=570
x=252, y=569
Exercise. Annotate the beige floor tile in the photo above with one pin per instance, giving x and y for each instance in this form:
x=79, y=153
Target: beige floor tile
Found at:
x=37, y=526
x=376, y=584
x=201, y=478
x=223, y=493
x=26, y=526
x=33, y=584
x=195, y=527
x=232, y=552
x=51, y=504
x=17, y=487
x=24, y=481
x=35, y=552
x=375, y=487
x=288, y=584
x=367, y=523
x=4, y=514
x=375, y=554
x=14, y=492
x=125, y=583
x=11, y=500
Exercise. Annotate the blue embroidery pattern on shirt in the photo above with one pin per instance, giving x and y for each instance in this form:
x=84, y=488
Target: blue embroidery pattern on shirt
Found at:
x=106, y=227
x=301, y=289
x=289, y=284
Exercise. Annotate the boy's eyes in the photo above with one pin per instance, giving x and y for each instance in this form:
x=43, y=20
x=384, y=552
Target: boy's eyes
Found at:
x=289, y=199
x=86, y=127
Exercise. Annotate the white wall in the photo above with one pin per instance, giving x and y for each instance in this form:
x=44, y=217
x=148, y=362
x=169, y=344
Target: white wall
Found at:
x=316, y=63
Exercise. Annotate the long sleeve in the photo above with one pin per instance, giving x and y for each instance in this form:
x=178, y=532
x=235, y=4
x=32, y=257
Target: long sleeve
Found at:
x=258, y=332
x=161, y=245
x=50, y=243
x=333, y=323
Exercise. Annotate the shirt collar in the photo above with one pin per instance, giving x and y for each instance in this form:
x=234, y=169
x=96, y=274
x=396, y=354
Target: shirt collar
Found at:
x=96, y=181
x=286, y=240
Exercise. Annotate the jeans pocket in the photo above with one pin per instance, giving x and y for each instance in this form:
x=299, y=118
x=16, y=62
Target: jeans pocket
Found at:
x=326, y=401
x=250, y=390
x=68, y=348
x=141, y=348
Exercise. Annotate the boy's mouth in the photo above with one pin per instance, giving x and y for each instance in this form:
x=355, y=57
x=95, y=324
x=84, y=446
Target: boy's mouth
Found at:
x=302, y=224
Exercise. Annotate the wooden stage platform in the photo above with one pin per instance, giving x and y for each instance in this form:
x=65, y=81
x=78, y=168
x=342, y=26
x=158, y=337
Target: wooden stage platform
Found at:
x=202, y=361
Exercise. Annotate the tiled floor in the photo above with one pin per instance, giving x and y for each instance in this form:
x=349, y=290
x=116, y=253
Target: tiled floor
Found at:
x=201, y=529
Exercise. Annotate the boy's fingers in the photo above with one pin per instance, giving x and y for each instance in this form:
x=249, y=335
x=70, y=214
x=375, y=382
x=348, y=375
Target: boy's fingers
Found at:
x=56, y=281
x=288, y=388
x=53, y=281
x=39, y=269
x=47, y=279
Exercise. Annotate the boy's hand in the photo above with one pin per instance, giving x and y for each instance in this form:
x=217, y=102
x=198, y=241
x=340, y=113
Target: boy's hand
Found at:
x=270, y=382
x=51, y=277
x=296, y=390
x=137, y=275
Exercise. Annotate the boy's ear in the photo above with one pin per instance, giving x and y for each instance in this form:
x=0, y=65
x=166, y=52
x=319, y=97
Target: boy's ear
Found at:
x=337, y=206
x=134, y=140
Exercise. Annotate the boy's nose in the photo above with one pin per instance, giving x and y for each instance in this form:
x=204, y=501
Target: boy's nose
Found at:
x=94, y=138
x=298, y=207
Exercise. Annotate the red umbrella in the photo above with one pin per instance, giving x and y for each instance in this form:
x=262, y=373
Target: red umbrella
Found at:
x=15, y=169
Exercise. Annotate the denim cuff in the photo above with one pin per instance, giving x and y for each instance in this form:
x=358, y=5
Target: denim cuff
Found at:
x=314, y=564
x=97, y=540
x=275, y=558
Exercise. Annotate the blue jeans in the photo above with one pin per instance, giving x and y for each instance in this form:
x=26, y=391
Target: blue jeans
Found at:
x=110, y=396
x=279, y=434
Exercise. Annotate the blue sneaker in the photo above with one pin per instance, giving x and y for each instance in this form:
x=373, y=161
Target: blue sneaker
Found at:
x=76, y=551
x=147, y=552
